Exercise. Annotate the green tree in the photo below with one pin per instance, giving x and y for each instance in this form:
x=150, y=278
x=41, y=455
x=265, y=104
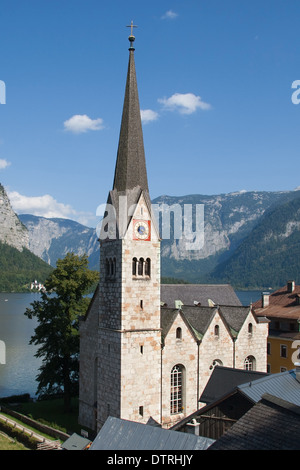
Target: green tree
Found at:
x=58, y=311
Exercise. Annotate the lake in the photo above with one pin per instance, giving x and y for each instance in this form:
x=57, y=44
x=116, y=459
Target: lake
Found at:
x=18, y=374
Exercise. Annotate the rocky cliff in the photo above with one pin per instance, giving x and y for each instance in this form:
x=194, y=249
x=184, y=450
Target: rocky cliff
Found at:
x=12, y=231
x=51, y=239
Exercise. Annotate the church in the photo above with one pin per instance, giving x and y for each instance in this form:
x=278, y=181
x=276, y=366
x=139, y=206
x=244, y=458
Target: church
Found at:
x=147, y=350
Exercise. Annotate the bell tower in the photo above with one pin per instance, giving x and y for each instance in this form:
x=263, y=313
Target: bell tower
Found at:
x=129, y=333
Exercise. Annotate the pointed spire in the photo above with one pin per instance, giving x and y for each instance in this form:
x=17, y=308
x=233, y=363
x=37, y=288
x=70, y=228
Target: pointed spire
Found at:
x=130, y=170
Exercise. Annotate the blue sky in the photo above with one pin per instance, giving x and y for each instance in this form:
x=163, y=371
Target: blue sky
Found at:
x=215, y=85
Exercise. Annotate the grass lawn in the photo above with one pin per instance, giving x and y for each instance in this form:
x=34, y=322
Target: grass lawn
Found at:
x=9, y=444
x=51, y=412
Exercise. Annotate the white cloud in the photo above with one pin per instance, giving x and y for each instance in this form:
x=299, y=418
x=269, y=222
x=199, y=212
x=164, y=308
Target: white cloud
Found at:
x=147, y=115
x=3, y=164
x=169, y=15
x=45, y=206
x=80, y=123
x=185, y=103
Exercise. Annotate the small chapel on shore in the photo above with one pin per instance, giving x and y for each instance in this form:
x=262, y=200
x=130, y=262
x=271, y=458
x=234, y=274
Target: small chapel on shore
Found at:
x=148, y=350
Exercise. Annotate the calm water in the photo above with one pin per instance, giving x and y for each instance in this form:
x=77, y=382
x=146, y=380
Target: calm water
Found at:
x=18, y=375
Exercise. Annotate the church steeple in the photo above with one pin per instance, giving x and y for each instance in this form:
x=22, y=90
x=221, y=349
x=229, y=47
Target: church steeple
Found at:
x=130, y=171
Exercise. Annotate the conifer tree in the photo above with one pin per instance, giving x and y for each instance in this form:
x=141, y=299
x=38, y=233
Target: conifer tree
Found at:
x=62, y=303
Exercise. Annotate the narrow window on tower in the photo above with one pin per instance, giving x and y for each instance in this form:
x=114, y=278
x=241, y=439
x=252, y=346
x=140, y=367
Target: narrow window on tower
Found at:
x=141, y=410
x=134, y=262
x=148, y=267
x=141, y=305
x=142, y=349
x=141, y=267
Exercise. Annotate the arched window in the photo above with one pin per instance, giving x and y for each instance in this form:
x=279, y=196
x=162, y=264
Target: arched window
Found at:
x=217, y=330
x=177, y=378
x=141, y=267
x=179, y=333
x=250, y=328
x=148, y=267
x=134, y=263
x=250, y=363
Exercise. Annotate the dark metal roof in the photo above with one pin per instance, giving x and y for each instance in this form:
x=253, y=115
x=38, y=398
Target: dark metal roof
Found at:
x=120, y=434
x=283, y=385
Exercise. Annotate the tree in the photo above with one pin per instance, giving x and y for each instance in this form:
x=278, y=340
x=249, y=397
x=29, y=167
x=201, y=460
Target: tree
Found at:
x=63, y=302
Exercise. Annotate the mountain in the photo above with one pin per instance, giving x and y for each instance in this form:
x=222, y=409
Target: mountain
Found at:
x=51, y=239
x=270, y=254
x=19, y=266
x=12, y=231
x=229, y=219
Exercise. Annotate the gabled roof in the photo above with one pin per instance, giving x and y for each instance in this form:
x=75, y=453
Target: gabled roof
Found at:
x=198, y=318
x=224, y=379
x=271, y=424
x=235, y=317
x=119, y=434
x=220, y=294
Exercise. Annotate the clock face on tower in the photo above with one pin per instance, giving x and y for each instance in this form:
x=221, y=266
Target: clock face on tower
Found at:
x=141, y=230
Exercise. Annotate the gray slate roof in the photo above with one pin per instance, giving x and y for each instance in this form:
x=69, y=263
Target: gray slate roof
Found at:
x=198, y=318
x=271, y=424
x=220, y=294
x=120, y=434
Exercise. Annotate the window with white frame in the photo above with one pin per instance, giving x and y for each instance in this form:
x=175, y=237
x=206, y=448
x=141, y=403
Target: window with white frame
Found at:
x=177, y=378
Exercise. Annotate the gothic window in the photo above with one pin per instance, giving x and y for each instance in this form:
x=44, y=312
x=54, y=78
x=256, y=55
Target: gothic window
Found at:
x=179, y=333
x=148, y=267
x=176, y=401
x=141, y=267
x=217, y=330
x=110, y=268
x=249, y=363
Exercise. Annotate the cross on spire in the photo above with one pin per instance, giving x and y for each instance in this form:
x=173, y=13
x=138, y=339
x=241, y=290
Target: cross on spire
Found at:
x=131, y=26
x=131, y=37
